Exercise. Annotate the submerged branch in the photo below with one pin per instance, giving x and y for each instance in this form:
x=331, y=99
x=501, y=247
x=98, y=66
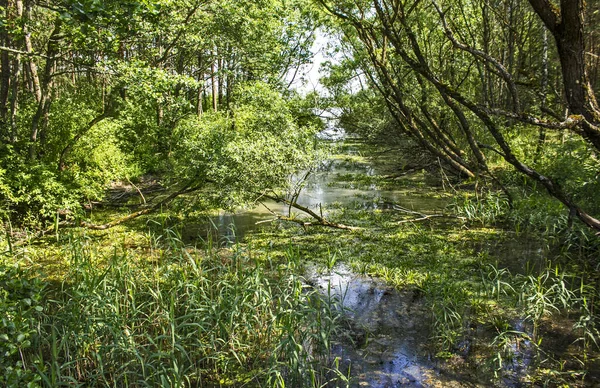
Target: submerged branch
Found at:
x=319, y=219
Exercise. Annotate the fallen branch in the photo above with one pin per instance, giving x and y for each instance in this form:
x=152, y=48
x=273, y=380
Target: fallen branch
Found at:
x=305, y=224
x=403, y=172
x=138, y=190
x=423, y=216
x=88, y=225
x=430, y=216
x=405, y=210
x=108, y=225
x=320, y=220
x=119, y=197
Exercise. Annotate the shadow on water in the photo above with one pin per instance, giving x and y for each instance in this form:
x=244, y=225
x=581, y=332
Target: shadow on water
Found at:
x=225, y=228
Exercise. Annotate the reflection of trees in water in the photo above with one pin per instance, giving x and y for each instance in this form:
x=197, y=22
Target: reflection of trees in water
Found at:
x=386, y=329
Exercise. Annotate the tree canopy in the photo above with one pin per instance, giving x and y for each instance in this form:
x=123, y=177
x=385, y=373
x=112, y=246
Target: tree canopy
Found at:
x=473, y=80
x=191, y=89
x=92, y=92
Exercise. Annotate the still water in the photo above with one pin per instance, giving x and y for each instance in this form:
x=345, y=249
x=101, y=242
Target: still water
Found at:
x=388, y=342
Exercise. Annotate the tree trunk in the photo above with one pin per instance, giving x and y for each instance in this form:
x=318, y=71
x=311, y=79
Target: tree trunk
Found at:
x=229, y=81
x=14, y=97
x=571, y=49
x=16, y=75
x=33, y=70
x=544, y=91
x=213, y=81
x=510, y=54
x=487, y=82
x=160, y=113
x=4, y=76
x=199, y=107
x=220, y=66
x=566, y=25
x=44, y=104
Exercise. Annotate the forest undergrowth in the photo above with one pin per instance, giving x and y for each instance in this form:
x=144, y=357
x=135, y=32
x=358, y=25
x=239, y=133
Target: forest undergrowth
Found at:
x=138, y=305
x=144, y=309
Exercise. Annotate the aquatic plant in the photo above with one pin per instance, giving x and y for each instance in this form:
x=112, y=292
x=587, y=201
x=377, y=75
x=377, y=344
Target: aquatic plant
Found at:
x=180, y=317
x=487, y=210
x=496, y=282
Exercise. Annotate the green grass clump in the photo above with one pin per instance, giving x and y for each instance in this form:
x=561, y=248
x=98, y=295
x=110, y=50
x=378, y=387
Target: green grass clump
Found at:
x=187, y=317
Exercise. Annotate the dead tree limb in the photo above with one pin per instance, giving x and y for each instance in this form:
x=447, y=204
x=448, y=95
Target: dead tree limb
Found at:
x=423, y=216
x=88, y=225
x=319, y=219
x=108, y=225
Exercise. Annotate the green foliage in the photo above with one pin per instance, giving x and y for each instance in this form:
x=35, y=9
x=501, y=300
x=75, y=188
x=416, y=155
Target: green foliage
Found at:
x=35, y=192
x=144, y=68
x=118, y=20
x=191, y=317
x=272, y=37
x=398, y=59
x=302, y=109
x=21, y=309
x=32, y=192
x=255, y=147
x=363, y=112
x=488, y=209
x=99, y=159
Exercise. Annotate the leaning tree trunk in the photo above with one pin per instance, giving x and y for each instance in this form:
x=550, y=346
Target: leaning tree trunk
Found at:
x=566, y=25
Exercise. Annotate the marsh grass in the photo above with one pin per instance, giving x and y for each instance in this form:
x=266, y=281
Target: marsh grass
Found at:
x=530, y=309
x=182, y=317
x=525, y=324
x=150, y=311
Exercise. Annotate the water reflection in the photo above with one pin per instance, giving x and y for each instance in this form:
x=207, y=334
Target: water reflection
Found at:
x=320, y=191
x=388, y=331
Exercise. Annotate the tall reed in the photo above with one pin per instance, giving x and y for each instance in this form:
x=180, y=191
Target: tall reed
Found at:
x=188, y=317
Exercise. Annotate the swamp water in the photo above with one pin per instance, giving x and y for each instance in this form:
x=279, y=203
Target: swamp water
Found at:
x=387, y=332
x=387, y=339
x=321, y=189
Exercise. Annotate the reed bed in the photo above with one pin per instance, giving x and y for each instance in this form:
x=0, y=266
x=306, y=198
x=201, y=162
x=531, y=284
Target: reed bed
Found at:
x=188, y=317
